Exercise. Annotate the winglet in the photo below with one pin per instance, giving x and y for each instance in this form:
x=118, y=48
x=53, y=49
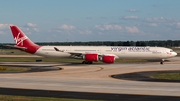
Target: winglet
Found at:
x=58, y=49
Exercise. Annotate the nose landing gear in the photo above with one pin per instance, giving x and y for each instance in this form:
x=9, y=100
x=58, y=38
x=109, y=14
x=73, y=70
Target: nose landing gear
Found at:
x=162, y=62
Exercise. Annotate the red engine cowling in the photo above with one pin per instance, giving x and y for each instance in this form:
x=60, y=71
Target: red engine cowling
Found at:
x=91, y=57
x=108, y=59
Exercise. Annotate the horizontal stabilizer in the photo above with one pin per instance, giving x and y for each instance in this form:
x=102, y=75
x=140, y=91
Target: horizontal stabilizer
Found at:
x=16, y=47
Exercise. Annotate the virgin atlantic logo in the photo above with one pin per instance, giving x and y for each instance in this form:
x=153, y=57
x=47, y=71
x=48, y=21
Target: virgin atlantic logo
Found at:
x=19, y=41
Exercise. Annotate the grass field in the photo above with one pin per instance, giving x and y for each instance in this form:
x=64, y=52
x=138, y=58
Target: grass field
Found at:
x=12, y=52
x=169, y=76
x=27, y=98
x=13, y=69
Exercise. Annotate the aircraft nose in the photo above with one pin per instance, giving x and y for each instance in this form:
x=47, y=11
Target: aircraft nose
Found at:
x=174, y=53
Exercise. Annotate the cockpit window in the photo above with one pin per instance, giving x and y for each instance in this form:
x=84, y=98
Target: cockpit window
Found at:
x=171, y=51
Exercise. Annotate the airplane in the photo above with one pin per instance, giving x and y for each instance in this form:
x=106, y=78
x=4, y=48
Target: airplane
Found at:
x=90, y=54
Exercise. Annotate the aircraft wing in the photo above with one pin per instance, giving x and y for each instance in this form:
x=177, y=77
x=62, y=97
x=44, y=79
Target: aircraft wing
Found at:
x=72, y=52
x=16, y=47
x=79, y=53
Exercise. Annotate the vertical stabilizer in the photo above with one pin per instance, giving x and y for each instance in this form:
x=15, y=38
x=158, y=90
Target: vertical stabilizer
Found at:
x=22, y=40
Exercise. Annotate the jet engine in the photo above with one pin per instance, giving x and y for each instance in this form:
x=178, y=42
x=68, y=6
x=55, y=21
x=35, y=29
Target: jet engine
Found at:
x=91, y=57
x=108, y=59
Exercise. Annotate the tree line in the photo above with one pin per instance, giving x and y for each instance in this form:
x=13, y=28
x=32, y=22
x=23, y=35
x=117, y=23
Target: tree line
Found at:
x=159, y=43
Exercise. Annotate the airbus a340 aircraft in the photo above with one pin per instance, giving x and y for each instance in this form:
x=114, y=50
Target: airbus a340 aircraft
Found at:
x=90, y=54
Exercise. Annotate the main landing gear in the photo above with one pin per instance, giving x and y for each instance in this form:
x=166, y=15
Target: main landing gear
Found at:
x=87, y=62
x=162, y=62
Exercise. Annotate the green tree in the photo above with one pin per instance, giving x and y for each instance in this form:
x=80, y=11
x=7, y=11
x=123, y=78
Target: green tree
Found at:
x=137, y=43
x=112, y=44
x=143, y=44
x=126, y=43
x=119, y=44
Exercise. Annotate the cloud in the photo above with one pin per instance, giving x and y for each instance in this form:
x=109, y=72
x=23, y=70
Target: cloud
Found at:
x=5, y=26
x=31, y=25
x=178, y=31
x=103, y=17
x=29, y=28
x=132, y=10
x=132, y=30
x=86, y=31
x=178, y=24
x=99, y=27
x=130, y=17
x=162, y=22
x=1, y=32
x=172, y=23
x=35, y=29
x=59, y=31
x=66, y=27
x=154, y=6
x=108, y=27
x=117, y=27
x=26, y=30
x=66, y=19
x=159, y=19
x=151, y=24
x=100, y=33
x=89, y=18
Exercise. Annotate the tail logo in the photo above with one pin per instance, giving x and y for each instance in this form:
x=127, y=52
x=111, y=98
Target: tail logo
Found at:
x=20, y=40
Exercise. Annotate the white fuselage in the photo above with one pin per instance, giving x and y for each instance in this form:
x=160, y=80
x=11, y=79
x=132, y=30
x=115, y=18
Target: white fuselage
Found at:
x=147, y=53
x=106, y=54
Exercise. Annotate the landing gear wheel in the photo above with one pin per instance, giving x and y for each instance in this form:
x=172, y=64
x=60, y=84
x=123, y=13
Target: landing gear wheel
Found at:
x=87, y=62
x=84, y=62
x=90, y=62
x=162, y=63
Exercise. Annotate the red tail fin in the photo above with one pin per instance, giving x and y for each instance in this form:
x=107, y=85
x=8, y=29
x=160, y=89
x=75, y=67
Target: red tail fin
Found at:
x=22, y=40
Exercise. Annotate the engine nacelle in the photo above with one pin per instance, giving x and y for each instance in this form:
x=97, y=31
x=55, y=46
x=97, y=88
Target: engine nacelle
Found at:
x=108, y=59
x=91, y=57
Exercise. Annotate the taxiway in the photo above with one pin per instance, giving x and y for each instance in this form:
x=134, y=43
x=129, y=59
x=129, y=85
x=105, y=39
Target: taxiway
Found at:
x=94, y=78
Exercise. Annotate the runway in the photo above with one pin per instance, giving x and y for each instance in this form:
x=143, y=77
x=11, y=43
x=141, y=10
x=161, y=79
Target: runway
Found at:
x=94, y=78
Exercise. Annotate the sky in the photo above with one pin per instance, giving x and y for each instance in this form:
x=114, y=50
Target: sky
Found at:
x=91, y=20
